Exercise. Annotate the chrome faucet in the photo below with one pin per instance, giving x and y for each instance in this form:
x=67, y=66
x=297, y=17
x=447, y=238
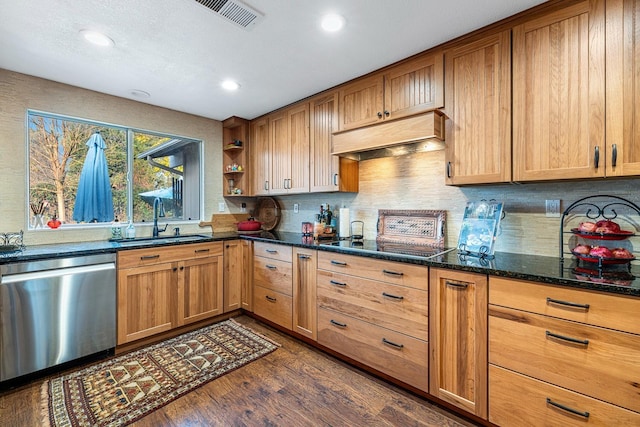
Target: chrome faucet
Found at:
x=158, y=211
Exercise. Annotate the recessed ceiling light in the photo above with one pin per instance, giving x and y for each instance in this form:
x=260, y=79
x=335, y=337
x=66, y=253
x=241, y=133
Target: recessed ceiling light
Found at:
x=97, y=38
x=230, y=85
x=140, y=93
x=332, y=22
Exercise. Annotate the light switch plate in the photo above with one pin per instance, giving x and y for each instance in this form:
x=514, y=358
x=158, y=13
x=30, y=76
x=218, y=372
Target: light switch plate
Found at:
x=296, y=208
x=552, y=208
x=221, y=207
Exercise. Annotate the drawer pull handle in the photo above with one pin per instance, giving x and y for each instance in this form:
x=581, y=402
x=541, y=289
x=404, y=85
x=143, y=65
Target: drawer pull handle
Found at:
x=567, y=303
x=271, y=267
x=338, y=324
x=304, y=256
x=566, y=408
x=569, y=339
x=394, y=273
x=198, y=251
x=270, y=299
x=334, y=262
x=335, y=282
x=392, y=344
x=149, y=257
x=456, y=284
x=396, y=297
x=271, y=251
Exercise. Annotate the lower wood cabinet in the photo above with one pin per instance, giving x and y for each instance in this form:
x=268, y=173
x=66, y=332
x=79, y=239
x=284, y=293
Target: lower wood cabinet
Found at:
x=458, y=339
x=375, y=312
x=162, y=288
x=575, y=350
x=305, y=315
x=272, y=283
x=237, y=275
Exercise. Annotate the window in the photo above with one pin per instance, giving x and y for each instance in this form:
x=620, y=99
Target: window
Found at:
x=79, y=173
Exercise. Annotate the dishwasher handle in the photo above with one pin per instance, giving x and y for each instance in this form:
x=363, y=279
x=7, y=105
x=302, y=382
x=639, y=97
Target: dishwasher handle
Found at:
x=36, y=275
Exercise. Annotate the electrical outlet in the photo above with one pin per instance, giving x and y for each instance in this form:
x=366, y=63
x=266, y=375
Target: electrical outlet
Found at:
x=552, y=208
x=243, y=207
x=296, y=208
x=221, y=207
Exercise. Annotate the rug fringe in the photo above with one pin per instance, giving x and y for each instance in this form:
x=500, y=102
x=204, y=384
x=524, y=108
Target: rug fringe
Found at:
x=261, y=335
x=45, y=421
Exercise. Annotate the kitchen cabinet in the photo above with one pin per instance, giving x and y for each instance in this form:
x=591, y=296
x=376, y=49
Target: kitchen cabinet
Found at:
x=162, y=288
x=623, y=88
x=458, y=339
x=272, y=283
x=260, y=156
x=411, y=87
x=579, y=360
x=235, y=136
x=305, y=317
x=478, y=107
x=559, y=94
x=375, y=312
x=237, y=277
x=281, y=152
x=328, y=172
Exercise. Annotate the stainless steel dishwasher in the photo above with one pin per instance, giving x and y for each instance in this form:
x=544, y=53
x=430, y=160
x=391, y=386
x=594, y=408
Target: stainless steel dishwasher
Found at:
x=54, y=311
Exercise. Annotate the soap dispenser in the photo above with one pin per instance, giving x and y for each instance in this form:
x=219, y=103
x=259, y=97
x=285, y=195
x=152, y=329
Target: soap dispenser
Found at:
x=130, y=232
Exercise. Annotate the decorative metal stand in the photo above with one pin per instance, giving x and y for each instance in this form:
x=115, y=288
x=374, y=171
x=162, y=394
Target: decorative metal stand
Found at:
x=601, y=208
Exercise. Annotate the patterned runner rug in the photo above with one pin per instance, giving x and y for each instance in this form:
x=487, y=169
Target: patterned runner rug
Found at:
x=125, y=388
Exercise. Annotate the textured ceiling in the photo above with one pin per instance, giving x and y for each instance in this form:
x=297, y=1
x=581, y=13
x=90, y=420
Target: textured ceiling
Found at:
x=179, y=51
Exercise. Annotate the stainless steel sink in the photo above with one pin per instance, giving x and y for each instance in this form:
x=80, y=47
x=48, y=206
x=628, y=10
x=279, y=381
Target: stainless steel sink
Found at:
x=150, y=241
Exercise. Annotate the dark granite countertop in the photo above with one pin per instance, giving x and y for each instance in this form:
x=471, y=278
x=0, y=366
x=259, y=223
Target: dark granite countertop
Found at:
x=551, y=270
x=60, y=250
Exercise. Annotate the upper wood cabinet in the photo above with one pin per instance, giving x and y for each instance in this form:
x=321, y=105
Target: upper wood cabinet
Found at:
x=260, y=156
x=409, y=88
x=623, y=88
x=328, y=172
x=559, y=94
x=478, y=107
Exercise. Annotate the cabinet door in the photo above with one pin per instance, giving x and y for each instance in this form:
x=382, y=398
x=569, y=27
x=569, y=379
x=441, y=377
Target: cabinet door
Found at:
x=261, y=156
x=414, y=87
x=298, y=154
x=246, y=293
x=280, y=152
x=559, y=94
x=623, y=88
x=458, y=333
x=361, y=102
x=478, y=106
x=305, y=315
x=146, y=298
x=200, y=289
x=234, y=275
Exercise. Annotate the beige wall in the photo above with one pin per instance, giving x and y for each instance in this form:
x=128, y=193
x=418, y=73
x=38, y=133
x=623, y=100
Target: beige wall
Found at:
x=410, y=182
x=19, y=92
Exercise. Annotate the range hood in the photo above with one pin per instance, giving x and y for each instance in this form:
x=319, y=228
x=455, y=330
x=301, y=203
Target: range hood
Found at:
x=424, y=132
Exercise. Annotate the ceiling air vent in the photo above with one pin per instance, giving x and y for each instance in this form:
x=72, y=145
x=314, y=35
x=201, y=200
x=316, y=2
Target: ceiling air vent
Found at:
x=234, y=11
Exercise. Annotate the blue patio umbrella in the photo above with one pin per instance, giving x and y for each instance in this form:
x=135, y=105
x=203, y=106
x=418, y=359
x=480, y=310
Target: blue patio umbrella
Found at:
x=94, y=200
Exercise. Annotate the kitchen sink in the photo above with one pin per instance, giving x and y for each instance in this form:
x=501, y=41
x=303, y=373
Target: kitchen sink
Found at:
x=139, y=241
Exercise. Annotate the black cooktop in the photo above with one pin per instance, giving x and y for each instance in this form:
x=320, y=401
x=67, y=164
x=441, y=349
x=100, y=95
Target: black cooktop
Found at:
x=395, y=248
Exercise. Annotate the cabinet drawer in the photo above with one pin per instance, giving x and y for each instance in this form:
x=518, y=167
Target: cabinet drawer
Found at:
x=273, y=306
x=273, y=274
x=599, y=362
x=397, y=355
x=273, y=251
x=609, y=311
x=533, y=409
x=398, y=308
x=161, y=254
x=398, y=273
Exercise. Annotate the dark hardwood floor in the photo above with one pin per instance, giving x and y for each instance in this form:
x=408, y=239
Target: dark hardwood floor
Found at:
x=297, y=385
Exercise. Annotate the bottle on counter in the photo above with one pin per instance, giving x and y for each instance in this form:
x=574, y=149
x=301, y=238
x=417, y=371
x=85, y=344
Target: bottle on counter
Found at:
x=130, y=231
x=116, y=229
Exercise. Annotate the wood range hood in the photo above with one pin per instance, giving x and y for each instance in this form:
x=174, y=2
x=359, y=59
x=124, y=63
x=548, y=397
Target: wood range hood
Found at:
x=423, y=132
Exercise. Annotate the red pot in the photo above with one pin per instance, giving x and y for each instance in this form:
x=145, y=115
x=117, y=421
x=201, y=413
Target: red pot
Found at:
x=249, y=225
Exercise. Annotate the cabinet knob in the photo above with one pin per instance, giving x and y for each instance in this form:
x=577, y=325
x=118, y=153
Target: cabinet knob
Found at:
x=379, y=115
x=387, y=113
